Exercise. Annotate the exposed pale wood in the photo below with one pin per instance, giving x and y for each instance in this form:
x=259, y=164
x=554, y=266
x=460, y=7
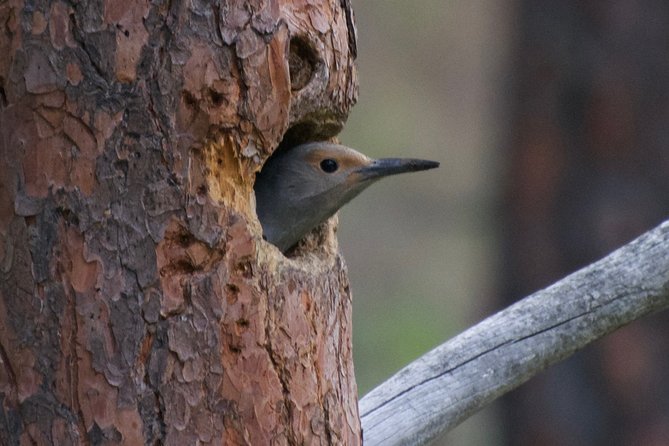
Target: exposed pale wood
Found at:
x=436, y=392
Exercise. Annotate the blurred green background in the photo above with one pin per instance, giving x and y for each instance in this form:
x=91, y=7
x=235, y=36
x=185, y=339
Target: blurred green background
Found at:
x=420, y=248
x=551, y=121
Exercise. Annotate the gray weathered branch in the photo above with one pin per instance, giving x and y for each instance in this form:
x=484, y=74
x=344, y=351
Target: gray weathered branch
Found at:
x=439, y=390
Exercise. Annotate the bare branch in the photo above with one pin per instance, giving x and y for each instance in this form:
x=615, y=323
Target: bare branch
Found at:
x=445, y=386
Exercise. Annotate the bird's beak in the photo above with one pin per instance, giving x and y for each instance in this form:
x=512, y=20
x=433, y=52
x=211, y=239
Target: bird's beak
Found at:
x=392, y=166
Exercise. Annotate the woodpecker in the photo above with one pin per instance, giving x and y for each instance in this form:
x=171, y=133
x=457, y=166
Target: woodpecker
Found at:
x=303, y=186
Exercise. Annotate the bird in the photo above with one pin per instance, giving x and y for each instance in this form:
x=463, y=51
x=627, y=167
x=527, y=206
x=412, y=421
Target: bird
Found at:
x=300, y=187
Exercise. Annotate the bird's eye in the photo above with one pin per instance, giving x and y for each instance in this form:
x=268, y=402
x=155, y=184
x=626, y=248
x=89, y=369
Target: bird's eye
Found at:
x=329, y=165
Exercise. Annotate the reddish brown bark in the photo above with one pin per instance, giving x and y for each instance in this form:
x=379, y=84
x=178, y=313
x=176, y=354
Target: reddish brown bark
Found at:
x=138, y=302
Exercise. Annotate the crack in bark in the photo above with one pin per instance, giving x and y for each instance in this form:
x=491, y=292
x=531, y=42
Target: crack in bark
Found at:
x=76, y=34
x=158, y=405
x=8, y=368
x=73, y=370
x=350, y=26
x=326, y=405
x=217, y=19
x=491, y=349
x=319, y=386
x=281, y=374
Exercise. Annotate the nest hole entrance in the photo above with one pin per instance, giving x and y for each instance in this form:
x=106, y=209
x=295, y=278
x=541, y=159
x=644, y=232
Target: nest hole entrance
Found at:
x=298, y=134
x=302, y=62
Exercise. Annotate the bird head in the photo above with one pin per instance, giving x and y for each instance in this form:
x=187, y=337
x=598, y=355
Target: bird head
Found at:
x=299, y=188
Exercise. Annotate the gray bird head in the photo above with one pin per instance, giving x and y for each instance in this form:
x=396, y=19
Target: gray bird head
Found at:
x=300, y=188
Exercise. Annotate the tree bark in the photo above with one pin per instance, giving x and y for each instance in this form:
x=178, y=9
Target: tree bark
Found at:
x=445, y=386
x=138, y=301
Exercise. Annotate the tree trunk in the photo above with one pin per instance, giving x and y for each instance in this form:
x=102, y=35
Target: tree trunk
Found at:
x=138, y=301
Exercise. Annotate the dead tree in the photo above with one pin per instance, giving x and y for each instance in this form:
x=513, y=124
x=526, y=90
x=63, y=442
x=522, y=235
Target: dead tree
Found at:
x=138, y=301
x=447, y=385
